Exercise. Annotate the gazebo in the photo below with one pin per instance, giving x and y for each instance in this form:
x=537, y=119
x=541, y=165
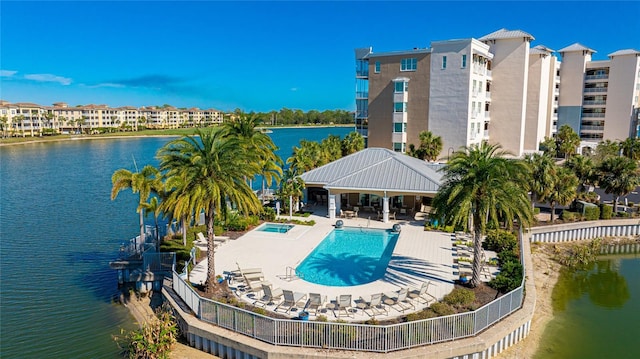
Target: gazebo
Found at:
x=373, y=173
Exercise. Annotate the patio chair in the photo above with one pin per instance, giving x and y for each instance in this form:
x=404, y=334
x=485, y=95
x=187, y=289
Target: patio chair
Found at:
x=270, y=295
x=400, y=301
x=291, y=300
x=344, y=304
x=422, y=293
x=392, y=215
x=253, y=286
x=375, y=305
x=342, y=215
x=355, y=211
x=316, y=301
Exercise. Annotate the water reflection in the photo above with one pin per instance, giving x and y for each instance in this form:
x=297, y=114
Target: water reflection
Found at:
x=601, y=282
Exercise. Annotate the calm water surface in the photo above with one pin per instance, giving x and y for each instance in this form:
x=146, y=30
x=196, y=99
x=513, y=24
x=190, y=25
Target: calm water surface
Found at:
x=58, y=232
x=596, y=312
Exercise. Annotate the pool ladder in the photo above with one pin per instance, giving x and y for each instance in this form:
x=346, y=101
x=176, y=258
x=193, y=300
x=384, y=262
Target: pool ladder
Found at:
x=292, y=274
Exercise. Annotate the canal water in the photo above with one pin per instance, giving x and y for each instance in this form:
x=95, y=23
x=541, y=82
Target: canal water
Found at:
x=596, y=312
x=59, y=230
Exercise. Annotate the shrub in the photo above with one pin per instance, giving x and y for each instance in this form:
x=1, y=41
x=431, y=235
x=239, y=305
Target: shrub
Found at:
x=460, y=297
x=423, y=314
x=152, y=340
x=268, y=214
x=442, y=309
x=507, y=256
x=448, y=229
x=509, y=278
x=570, y=216
x=260, y=311
x=500, y=240
x=623, y=214
x=605, y=211
x=321, y=318
x=591, y=213
x=536, y=210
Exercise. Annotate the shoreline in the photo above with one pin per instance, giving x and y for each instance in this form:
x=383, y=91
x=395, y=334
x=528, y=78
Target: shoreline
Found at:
x=47, y=139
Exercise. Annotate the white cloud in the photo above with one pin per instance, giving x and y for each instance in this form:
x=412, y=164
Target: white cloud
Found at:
x=106, y=84
x=294, y=89
x=48, y=78
x=7, y=73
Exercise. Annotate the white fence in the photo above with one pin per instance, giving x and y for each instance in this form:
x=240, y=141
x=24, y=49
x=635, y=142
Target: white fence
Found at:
x=585, y=230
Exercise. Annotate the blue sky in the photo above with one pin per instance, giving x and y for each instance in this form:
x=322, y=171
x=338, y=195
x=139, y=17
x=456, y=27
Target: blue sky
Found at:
x=258, y=56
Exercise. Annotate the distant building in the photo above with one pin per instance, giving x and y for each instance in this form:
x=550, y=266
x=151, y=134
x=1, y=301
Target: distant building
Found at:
x=29, y=119
x=496, y=88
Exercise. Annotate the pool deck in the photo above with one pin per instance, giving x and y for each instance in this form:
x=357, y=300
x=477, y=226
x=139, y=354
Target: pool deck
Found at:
x=419, y=256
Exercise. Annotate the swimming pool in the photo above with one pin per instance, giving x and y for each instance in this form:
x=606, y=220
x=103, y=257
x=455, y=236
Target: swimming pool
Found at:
x=275, y=227
x=349, y=256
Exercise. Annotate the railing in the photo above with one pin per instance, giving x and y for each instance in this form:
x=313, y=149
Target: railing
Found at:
x=347, y=336
x=596, y=77
x=593, y=114
x=591, y=128
x=585, y=230
x=594, y=102
x=595, y=89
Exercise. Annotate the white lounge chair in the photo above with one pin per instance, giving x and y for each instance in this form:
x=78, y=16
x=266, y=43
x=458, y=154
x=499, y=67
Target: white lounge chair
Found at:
x=422, y=293
x=400, y=301
x=375, y=305
x=270, y=295
x=291, y=300
x=344, y=304
x=316, y=301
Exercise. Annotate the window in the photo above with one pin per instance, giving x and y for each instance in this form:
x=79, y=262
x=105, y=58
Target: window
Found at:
x=401, y=86
x=377, y=69
x=464, y=61
x=444, y=62
x=399, y=107
x=410, y=64
x=398, y=147
x=399, y=127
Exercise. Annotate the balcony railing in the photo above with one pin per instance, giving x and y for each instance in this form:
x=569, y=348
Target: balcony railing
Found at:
x=487, y=115
x=594, y=114
x=594, y=102
x=596, y=77
x=595, y=89
x=591, y=128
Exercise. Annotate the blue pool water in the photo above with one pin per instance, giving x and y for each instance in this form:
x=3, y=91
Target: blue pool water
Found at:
x=349, y=256
x=275, y=228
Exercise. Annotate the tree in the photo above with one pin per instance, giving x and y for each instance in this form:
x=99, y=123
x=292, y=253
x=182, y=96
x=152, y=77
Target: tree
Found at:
x=145, y=182
x=542, y=172
x=352, y=143
x=306, y=157
x=291, y=186
x=4, y=120
x=331, y=148
x=568, y=141
x=618, y=175
x=606, y=149
x=562, y=190
x=213, y=168
x=430, y=146
x=631, y=148
x=481, y=184
x=549, y=147
x=153, y=207
x=583, y=168
x=176, y=203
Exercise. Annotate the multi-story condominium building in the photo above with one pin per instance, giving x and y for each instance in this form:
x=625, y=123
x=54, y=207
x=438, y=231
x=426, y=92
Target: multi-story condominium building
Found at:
x=496, y=88
x=28, y=119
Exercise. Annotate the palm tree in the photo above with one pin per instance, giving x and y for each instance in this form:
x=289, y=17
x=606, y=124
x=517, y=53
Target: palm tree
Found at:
x=562, y=190
x=430, y=146
x=331, y=148
x=481, y=184
x=176, y=203
x=4, y=120
x=619, y=175
x=549, y=147
x=213, y=169
x=145, y=182
x=291, y=186
x=583, y=168
x=153, y=207
x=306, y=157
x=542, y=172
x=631, y=148
x=568, y=140
x=271, y=173
x=352, y=143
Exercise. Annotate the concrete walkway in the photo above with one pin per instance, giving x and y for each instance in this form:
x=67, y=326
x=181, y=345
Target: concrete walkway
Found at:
x=418, y=256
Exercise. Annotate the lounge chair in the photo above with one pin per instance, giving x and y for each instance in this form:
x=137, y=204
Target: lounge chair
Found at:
x=344, y=304
x=401, y=301
x=291, y=300
x=270, y=295
x=254, y=286
x=375, y=305
x=316, y=301
x=422, y=293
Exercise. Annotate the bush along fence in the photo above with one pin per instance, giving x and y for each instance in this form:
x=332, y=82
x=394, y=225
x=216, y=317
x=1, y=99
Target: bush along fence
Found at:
x=585, y=230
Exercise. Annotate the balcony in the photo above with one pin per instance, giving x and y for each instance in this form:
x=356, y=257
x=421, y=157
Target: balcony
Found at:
x=591, y=128
x=594, y=114
x=595, y=89
x=596, y=77
x=594, y=102
x=401, y=97
x=487, y=95
x=487, y=115
x=362, y=95
x=486, y=134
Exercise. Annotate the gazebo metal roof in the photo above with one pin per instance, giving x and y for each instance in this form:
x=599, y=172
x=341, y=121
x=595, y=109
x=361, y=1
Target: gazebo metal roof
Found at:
x=377, y=171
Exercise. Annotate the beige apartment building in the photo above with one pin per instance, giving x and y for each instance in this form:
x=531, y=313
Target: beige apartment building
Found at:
x=496, y=88
x=29, y=119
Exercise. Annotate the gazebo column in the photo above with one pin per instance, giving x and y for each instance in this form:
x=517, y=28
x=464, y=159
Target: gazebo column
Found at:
x=331, y=202
x=385, y=208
